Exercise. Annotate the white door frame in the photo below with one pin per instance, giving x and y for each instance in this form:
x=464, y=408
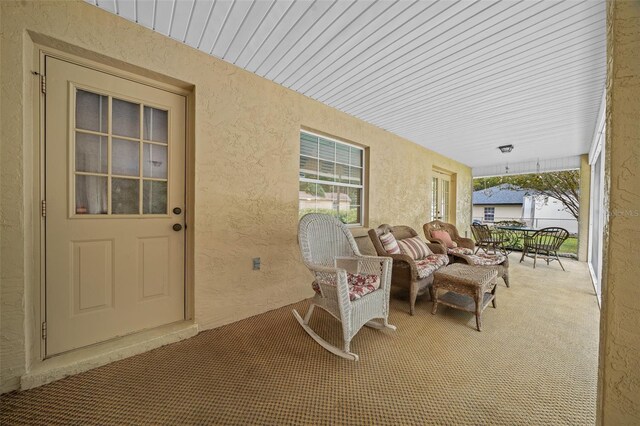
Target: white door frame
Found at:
x=597, y=199
x=438, y=174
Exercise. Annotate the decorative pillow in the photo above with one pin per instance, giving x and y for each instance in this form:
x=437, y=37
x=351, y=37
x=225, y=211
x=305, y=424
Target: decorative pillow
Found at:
x=444, y=237
x=414, y=247
x=389, y=243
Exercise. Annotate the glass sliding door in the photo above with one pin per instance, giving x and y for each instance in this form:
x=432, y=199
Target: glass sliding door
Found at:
x=441, y=196
x=597, y=217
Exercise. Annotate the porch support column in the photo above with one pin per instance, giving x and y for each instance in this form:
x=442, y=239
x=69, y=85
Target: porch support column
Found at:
x=584, y=203
x=619, y=363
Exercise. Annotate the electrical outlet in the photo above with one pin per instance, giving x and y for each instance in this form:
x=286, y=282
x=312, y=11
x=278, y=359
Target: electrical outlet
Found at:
x=256, y=263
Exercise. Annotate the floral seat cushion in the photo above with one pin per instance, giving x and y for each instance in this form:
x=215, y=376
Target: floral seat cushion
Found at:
x=484, y=259
x=359, y=285
x=430, y=264
x=460, y=250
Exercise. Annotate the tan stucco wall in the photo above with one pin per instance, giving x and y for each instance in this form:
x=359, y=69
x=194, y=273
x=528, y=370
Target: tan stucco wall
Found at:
x=619, y=367
x=584, y=203
x=246, y=170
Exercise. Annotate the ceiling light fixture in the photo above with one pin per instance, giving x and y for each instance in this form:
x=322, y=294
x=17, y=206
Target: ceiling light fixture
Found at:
x=505, y=148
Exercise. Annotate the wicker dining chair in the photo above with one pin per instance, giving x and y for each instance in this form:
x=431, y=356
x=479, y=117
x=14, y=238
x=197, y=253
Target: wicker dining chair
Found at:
x=488, y=240
x=345, y=280
x=545, y=243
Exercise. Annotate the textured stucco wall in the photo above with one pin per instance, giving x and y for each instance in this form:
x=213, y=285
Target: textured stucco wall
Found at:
x=583, y=214
x=13, y=235
x=619, y=367
x=246, y=170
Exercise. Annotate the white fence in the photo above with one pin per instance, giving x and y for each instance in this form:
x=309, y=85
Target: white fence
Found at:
x=570, y=225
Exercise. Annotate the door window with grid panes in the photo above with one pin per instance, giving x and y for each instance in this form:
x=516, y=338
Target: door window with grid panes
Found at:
x=121, y=157
x=331, y=178
x=440, y=196
x=114, y=230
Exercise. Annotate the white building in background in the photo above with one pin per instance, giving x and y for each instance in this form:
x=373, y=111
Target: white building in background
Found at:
x=505, y=202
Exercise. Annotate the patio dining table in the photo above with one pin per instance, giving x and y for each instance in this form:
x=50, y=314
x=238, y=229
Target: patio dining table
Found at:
x=515, y=235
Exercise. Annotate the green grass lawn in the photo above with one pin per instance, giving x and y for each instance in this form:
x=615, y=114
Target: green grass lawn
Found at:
x=569, y=246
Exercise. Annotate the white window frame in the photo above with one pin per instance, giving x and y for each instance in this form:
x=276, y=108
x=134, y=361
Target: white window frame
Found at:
x=346, y=185
x=493, y=214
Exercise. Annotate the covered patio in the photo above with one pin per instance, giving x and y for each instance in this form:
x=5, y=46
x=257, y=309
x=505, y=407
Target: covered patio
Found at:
x=535, y=362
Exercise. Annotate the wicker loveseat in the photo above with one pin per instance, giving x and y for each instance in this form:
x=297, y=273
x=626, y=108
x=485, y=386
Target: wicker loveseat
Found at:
x=415, y=276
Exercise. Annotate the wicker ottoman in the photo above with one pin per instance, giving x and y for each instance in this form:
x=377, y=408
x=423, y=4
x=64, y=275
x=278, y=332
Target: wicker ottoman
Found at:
x=469, y=288
x=482, y=259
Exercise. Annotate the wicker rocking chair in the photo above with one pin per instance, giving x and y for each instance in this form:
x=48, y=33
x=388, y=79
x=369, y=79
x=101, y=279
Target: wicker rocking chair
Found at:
x=351, y=287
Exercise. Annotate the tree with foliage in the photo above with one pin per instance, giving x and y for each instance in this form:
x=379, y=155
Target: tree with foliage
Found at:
x=564, y=186
x=311, y=188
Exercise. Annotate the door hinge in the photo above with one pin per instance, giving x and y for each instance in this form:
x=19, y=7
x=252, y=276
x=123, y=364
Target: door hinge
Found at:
x=44, y=330
x=43, y=84
x=44, y=208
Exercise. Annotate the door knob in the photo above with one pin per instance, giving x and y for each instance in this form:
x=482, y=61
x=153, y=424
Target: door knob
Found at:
x=177, y=227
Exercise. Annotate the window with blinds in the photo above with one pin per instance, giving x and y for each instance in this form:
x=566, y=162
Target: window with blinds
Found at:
x=331, y=178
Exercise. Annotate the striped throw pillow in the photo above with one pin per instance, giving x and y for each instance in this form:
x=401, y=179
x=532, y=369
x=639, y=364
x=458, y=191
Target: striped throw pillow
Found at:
x=389, y=243
x=414, y=247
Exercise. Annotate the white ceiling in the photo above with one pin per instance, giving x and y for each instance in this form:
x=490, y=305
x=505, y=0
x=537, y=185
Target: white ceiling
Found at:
x=459, y=77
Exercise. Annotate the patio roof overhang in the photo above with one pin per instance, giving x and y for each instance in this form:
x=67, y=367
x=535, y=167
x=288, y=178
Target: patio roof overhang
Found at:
x=458, y=77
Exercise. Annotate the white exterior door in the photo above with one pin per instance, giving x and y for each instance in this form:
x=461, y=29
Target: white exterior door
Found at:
x=440, y=196
x=115, y=191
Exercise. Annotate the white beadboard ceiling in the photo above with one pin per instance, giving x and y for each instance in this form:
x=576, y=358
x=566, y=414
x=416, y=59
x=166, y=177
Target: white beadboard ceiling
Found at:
x=459, y=77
